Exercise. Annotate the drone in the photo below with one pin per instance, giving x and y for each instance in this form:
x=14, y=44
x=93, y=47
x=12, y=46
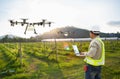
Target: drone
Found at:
x=29, y=24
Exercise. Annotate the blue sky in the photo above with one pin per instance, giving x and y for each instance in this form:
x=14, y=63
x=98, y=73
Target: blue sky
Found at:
x=79, y=13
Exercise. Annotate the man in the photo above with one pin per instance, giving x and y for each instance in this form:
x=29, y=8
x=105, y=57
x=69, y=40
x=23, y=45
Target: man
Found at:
x=95, y=57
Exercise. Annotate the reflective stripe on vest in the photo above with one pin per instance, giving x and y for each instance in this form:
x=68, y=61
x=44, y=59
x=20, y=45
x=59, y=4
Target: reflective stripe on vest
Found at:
x=99, y=62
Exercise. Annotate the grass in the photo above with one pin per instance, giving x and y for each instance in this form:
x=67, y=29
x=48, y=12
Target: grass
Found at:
x=40, y=61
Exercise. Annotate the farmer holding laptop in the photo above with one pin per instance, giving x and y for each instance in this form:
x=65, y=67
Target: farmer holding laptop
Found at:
x=95, y=57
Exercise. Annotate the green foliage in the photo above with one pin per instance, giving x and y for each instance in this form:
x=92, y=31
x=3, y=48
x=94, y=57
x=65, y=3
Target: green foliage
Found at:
x=47, y=60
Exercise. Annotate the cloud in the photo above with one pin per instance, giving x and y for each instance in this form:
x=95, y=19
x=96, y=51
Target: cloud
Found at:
x=114, y=23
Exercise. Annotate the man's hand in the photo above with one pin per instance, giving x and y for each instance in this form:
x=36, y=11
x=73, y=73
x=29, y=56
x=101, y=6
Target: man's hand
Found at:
x=83, y=54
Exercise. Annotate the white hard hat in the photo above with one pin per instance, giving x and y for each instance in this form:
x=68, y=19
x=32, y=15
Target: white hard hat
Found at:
x=95, y=29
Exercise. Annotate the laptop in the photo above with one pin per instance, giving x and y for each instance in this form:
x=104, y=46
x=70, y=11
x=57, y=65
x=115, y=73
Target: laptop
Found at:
x=76, y=51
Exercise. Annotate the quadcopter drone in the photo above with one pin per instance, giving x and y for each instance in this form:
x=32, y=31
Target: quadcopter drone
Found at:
x=28, y=24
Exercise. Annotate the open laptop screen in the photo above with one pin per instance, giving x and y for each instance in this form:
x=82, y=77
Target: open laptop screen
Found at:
x=76, y=51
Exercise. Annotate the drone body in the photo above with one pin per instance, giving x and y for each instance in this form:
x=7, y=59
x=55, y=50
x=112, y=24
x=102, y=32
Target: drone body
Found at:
x=28, y=24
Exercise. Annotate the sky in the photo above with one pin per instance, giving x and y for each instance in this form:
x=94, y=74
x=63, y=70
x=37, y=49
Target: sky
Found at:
x=79, y=13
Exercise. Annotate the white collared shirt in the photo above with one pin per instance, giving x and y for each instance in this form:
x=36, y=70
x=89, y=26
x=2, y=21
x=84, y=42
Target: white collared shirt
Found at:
x=94, y=49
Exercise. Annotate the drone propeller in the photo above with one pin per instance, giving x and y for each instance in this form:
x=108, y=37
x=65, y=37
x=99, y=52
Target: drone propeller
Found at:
x=49, y=23
x=11, y=22
x=24, y=20
x=43, y=22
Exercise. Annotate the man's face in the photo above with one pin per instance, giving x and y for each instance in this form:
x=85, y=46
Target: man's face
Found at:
x=91, y=35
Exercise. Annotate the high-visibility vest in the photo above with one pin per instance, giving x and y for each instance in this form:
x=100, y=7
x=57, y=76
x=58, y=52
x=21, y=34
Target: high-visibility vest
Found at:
x=97, y=62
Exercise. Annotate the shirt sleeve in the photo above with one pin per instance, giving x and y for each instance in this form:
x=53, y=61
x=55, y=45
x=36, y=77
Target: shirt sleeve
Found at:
x=92, y=50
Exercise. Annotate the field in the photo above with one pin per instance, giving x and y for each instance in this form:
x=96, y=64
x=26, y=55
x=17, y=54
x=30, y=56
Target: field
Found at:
x=51, y=60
